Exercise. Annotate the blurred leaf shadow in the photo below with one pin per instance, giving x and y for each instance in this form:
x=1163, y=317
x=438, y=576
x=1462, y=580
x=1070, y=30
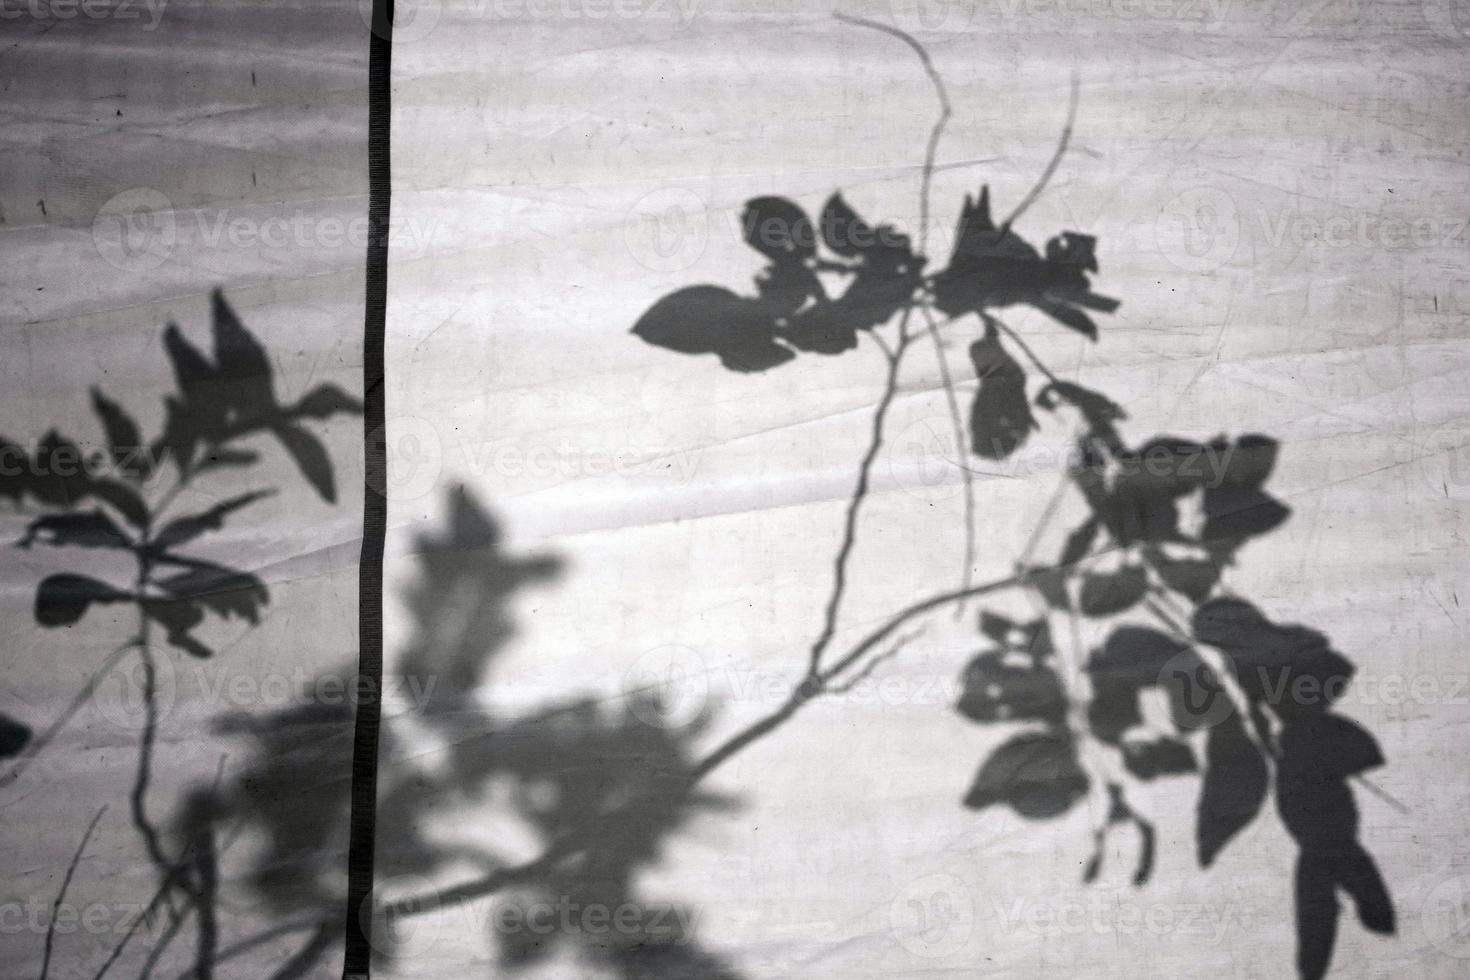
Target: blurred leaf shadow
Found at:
x=615, y=774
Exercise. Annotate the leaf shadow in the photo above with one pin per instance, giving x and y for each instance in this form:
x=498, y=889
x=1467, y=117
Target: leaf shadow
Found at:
x=791, y=310
x=614, y=776
x=115, y=494
x=1249, y=700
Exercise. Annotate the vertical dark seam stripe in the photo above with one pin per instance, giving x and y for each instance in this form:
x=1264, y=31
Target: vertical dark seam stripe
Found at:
x=357, y=960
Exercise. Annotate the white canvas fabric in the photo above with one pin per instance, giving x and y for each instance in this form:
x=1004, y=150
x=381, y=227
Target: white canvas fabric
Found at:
x=877, y=491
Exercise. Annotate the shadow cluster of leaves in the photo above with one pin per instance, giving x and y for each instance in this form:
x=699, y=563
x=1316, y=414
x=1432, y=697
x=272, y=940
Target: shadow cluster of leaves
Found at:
x=116, y=497
x=613, y=776
x=1165, y=520
x=1036, y=772
x=1172, y=515
x=98, y=498
x=992, y=267
x=1290, y=677
x=792, y=310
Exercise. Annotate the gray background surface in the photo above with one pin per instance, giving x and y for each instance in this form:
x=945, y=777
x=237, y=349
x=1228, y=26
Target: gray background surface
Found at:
x=1280, y=197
